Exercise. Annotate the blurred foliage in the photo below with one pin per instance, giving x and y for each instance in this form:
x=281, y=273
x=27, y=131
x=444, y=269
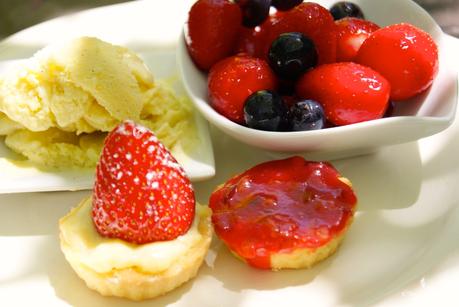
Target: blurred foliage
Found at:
x=16, y=15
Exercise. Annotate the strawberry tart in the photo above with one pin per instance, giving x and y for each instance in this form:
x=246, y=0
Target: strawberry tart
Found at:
x=141, y=234
x=283, y=214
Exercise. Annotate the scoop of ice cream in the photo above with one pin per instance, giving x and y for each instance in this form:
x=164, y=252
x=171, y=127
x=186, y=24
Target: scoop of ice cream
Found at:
x=7, y=125
x=55, y=148
x=51, y=103
x=82, y=85
x=113, y=76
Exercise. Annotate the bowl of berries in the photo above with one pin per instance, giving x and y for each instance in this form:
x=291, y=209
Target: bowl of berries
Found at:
x=334, y=78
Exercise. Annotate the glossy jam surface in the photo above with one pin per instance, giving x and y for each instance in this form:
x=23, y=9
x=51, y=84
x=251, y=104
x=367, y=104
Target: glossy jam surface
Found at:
x=280, y=206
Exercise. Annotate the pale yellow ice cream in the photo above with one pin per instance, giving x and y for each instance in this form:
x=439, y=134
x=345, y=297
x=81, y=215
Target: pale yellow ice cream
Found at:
x=51, y=106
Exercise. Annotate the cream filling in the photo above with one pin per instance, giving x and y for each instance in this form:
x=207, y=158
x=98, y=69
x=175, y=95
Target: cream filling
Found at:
x=83, y=244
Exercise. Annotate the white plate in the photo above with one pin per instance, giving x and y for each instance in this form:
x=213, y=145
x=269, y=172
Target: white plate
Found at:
x=401, y=250
x=24, y=177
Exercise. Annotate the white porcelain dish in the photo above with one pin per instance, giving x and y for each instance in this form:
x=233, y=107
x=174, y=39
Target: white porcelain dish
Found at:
x=25, y=177
x=425, y=115
x=401, y=250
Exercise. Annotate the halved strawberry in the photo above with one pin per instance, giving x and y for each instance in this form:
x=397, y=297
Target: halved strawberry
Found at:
x=233, y=79
x=349, y=92
x=405, y=55
x=141, y=193
x=213, y=27
x=351, y=33
x=314, y=21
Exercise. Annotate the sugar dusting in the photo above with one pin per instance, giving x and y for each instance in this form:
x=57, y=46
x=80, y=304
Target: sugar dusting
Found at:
x=148, y=182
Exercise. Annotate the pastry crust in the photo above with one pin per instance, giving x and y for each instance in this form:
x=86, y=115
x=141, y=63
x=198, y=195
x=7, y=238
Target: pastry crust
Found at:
x=134, y=284
x=304, y=258
x=307, y=257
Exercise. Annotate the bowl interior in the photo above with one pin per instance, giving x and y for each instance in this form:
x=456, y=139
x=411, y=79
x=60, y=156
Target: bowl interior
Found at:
x=424, y=115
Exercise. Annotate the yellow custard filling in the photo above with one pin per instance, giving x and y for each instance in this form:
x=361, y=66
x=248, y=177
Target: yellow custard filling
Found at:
x=86, y=246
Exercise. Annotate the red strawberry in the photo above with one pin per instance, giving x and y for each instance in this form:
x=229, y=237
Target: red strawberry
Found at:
x=213, y=27
x=141, y=193
x=234, y=79
x=405, y=55
x=251, y=41
x=351, y=33
x=349, y=92
x=314, y=21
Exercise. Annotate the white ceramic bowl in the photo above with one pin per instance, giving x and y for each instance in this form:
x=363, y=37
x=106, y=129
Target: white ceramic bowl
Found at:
x=423, y=116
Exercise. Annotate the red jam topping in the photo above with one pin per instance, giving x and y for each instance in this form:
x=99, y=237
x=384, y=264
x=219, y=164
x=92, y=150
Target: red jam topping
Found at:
x=279, y=206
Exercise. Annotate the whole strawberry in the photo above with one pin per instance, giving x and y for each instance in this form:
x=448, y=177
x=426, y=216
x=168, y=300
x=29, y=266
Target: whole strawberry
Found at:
x=352, y=32
x=251, y=41
x=141, y=193
x=234, y=79
x=349, y=93
x=313, y=21
x=405, y=55
x=213, y=27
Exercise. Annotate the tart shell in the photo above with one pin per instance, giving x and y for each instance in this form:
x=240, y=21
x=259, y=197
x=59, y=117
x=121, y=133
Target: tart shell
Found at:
x=132, y=283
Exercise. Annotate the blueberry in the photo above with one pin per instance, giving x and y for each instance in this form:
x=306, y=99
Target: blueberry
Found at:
x=286, y=87
x=265, y=110
x=254, y=12
x=306, y=115
x=284, y=5
x=390, y=111
x=344, y=9
x=291, y=54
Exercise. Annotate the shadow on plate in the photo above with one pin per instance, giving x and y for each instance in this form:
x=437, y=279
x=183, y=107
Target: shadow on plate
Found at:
x=33, y=214
x=380, y=182
x=384, y=266
x=243, y=277
x=390, y=178
x=444, y=150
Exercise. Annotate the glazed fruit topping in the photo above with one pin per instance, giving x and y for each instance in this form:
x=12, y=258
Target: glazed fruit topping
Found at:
x=265, y=110
x=141, y=193
x=254, y=12
x=232, y=80
x=291, y=54
x=344, y=9
x=351, y=33
x=405, y=55
x=349, y=92
x=213, y=28
x=281, y=206
x=285, y=5
x=306, y=115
